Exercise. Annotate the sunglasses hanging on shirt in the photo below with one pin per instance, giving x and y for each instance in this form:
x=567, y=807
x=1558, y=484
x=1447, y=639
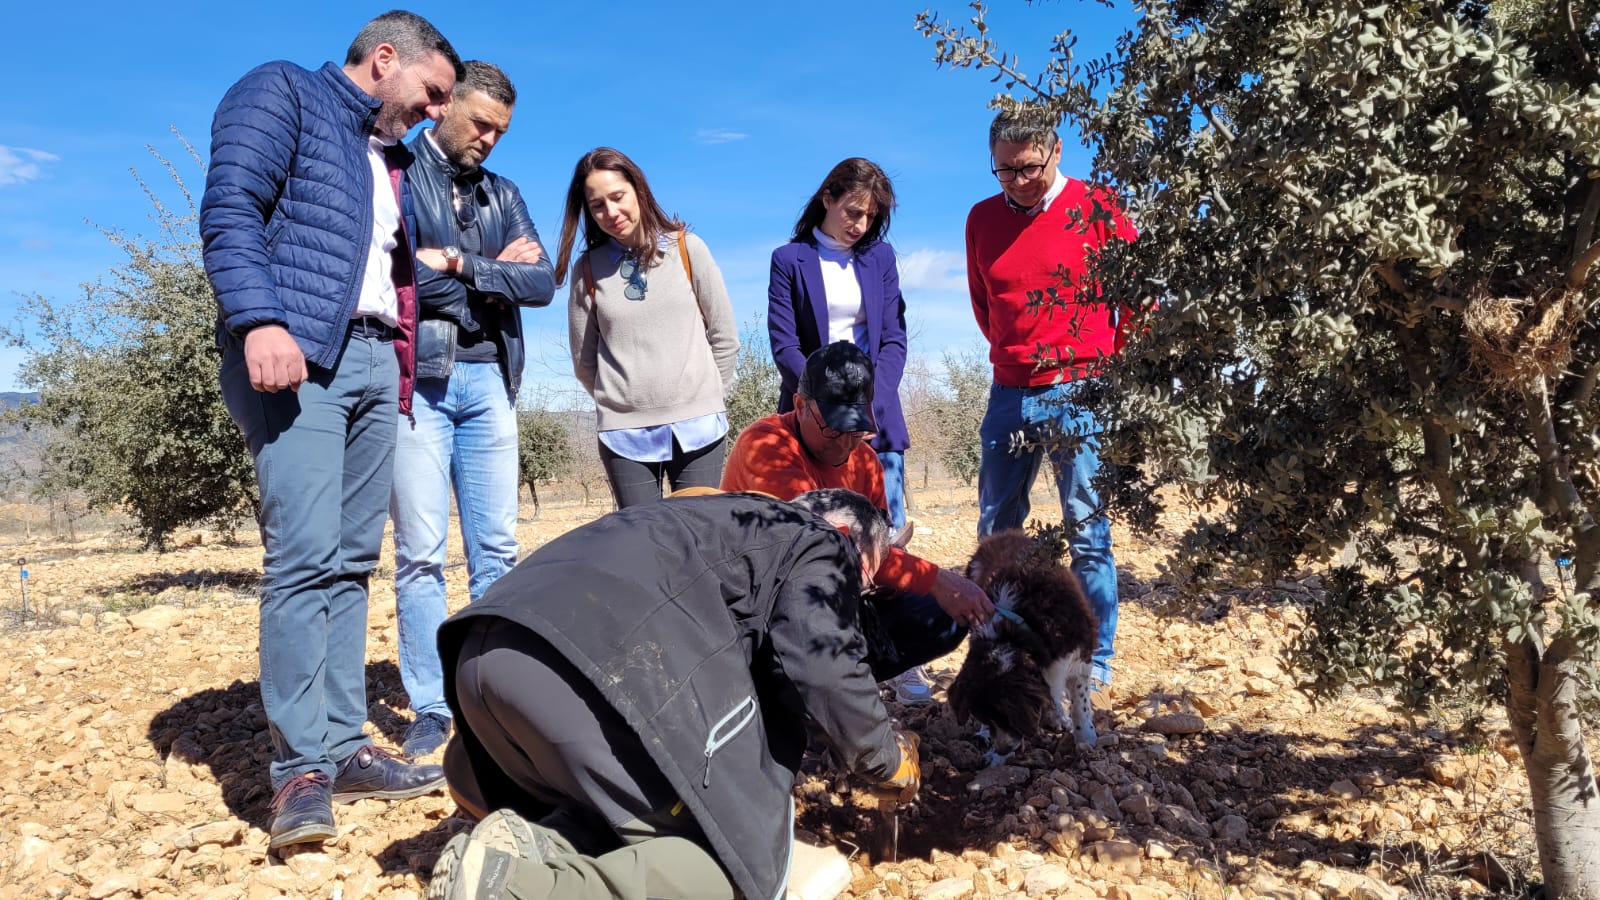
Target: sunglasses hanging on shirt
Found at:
x=464, y=198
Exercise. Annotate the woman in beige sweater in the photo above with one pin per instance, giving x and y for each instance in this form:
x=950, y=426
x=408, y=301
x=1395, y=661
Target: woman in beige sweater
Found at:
x=652, y=332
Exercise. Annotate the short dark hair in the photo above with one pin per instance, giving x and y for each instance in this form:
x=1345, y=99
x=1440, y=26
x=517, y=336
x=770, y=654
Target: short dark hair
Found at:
x=413, y=38
x=852, y=176
x=653, y=220
x=1025, y=124
x=485, y=77
x=869, y=527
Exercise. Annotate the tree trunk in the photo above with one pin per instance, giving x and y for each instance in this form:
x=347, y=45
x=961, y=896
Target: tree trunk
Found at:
x=533, y=491
x=1543, y=708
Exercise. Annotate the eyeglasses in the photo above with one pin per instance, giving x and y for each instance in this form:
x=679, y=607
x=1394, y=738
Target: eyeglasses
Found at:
x=1008, y=174
x=630, y=269
x=833, y=434
x=465, y=201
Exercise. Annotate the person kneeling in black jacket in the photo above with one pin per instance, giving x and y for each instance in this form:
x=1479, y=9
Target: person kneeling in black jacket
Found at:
x=632, y=700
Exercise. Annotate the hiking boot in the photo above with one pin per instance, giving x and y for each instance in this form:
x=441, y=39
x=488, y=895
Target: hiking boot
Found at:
x=375, y=772
x=481, y=863
x=302, y=811
x=426, y=734
x=911, y=686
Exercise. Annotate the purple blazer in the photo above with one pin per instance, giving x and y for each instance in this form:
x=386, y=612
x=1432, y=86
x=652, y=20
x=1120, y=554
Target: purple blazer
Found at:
x=797, y=325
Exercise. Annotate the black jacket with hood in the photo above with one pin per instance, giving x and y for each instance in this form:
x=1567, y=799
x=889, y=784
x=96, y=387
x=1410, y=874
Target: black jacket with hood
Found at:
x=717, y=626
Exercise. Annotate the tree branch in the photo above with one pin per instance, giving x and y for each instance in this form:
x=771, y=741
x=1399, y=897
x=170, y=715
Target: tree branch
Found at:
x=1586, y=386
x=1580, y=269
x=1215, y=122
x=1584, y=235
x=1394, y=281
x=1545, y=443
x=1574, y=38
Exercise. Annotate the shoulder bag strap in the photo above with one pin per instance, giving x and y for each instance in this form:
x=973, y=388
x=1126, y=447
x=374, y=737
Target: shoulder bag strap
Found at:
x=683, y=253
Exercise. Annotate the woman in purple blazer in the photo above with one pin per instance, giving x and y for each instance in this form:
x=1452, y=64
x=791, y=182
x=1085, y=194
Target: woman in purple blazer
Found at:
x=836, y=281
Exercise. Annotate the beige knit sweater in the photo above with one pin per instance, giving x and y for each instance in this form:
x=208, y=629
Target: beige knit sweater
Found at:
x=653, y=361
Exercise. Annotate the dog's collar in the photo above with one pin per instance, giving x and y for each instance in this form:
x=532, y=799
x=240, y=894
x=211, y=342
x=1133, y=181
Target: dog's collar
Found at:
x=1014, y=618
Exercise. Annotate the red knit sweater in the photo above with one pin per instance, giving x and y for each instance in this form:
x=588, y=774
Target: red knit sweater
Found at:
x=1010, y=253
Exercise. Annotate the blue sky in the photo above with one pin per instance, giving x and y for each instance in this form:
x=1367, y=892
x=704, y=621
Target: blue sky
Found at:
x=735, y=111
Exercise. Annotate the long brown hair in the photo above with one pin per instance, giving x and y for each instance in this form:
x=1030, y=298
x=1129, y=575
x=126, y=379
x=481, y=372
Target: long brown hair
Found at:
x=653, y=220
x=852, y=176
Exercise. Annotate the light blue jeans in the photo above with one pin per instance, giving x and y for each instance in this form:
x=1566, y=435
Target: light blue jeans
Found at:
x=324, y=456
x=465, y=436
x=1005, y=478
x=894, y=486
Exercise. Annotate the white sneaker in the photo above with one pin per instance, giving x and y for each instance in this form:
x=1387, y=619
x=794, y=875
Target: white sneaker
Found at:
x=911, y=686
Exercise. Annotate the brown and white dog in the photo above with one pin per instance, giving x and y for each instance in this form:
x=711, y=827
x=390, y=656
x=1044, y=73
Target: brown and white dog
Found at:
x=1030, y=665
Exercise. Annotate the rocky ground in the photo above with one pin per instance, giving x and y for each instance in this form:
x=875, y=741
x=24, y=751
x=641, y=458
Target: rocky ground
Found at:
x=134, y=756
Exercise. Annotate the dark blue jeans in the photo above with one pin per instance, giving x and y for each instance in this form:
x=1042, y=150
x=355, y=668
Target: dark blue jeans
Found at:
x=324, y=457
x=1005, y=478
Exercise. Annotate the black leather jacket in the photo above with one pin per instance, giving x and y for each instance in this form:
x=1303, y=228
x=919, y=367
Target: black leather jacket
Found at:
x=443, y=299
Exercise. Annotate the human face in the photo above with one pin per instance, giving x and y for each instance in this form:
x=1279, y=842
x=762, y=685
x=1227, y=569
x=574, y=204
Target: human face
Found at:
x=410, y=92
x=849, y=217
x=470, y=127
x=1025, y=191
x=824, y=444
x=613, y=204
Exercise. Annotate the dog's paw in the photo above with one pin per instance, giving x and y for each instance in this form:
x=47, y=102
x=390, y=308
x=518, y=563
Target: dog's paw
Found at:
x=1086, y=737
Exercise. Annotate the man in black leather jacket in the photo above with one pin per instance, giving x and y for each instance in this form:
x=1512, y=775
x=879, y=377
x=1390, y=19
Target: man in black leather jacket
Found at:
x=480, y=260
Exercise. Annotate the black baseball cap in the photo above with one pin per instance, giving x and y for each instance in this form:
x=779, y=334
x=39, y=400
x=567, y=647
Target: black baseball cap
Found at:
x=838, y=378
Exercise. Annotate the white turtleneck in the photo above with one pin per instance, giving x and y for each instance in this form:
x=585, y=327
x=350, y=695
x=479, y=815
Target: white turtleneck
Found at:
x=847, y=319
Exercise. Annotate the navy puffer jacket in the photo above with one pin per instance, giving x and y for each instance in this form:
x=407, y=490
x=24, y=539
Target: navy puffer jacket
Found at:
x=286, y=219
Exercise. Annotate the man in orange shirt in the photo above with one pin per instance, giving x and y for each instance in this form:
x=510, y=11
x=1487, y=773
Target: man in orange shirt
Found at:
x=916, y=611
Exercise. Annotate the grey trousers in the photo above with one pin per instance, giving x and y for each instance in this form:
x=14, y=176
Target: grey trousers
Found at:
x=556, y=743
x=324, y=457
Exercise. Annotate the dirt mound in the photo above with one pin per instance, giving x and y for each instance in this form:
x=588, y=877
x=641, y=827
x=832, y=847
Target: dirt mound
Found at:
x=136, y=752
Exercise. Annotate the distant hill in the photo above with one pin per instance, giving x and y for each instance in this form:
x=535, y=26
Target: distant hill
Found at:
x=9, y=399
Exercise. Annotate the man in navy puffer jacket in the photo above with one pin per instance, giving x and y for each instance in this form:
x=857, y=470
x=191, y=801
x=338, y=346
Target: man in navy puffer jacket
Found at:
x=305, y=224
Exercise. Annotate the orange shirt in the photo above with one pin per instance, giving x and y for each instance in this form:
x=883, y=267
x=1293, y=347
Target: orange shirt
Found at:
x=770, y=457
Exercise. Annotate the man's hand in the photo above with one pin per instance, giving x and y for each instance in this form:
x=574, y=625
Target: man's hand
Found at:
x=274, y=359
x=433, y=259
x=962, y=600
x=521, y=250
x=907, y=780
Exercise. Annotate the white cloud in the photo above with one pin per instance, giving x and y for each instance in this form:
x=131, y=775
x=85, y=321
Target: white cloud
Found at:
x=718, y=136
x=19, y=164
x=933, y=270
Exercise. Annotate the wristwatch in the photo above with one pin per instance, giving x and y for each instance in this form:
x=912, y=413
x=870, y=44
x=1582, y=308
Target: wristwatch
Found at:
x=452, y=257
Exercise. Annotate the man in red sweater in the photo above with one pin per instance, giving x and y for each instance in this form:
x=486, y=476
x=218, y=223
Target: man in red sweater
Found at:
x=1037, y=236
x=917, y=611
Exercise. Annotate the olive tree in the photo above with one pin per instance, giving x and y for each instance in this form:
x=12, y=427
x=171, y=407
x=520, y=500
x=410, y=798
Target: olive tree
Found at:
x=755, y=381
x=1372, y=232
x=544, y=449
x=127, y=382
